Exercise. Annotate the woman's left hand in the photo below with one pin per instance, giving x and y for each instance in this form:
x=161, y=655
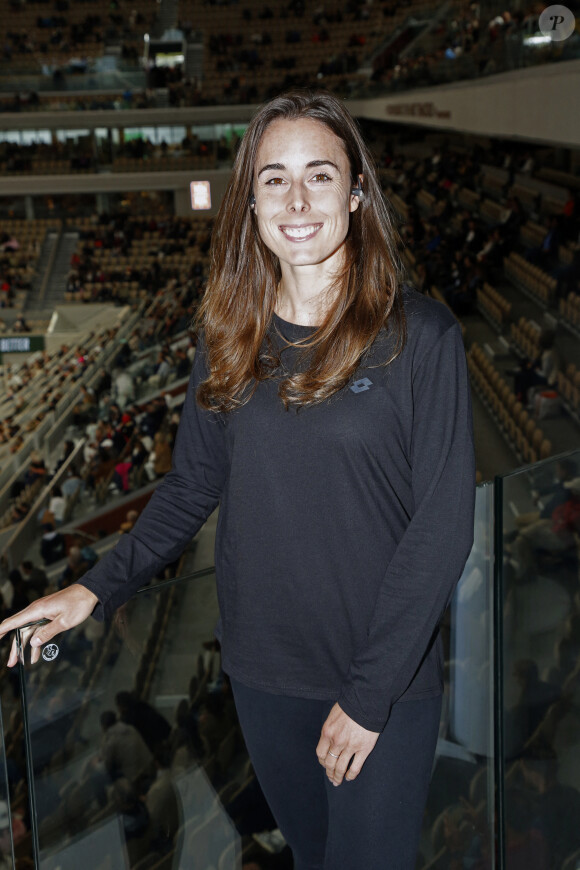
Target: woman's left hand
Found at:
x=343, y=737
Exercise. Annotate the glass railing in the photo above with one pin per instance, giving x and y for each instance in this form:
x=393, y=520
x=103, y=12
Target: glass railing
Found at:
x=459, y=823
x=6, y=836
x=134, y=749
x=136, y=760
x=538, y=544
x=513, y=51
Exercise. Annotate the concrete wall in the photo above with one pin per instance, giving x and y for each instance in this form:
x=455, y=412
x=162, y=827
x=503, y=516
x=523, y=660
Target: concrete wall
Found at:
x=539, y=104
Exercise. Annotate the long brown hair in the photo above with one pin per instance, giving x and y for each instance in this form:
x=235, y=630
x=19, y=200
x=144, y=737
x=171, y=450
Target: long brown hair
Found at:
x=241, y=291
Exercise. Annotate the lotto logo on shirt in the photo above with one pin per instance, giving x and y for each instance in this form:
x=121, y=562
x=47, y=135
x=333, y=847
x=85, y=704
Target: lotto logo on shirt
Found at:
x=361, y=385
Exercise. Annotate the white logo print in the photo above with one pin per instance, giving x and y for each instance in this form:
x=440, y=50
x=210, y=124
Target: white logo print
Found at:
x=50, y=652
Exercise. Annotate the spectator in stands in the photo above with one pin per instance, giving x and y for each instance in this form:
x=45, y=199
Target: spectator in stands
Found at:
x=36, y=469
x=162, y=369
x=72, y=483
x=129, y=522
x=159, y=462
x=551, y=495
x=539, y=372
x=512, y=218
x=20, y=325
x=124, y=753
x=151, y=725
x=121, y=476
x=85, y=409
x=162, y=804
x=535, y=697
x=526, y=846
x=77, y=564
x=57, y=505
x=139, y=453
x=553, y=536
x=492, y=250
x=473, y=238
x=52, y=545
x=7, y=594
x=34, y=578
x=546, y=254
x=183, y=366
x=556, y=806
x=124, y=388
x=68, y=448
x=6, y=294
x=570, y=215
x=20, y=596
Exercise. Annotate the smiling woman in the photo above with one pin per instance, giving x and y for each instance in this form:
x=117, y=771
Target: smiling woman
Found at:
x=303, y=230
x=303, y=203
x=328, y=414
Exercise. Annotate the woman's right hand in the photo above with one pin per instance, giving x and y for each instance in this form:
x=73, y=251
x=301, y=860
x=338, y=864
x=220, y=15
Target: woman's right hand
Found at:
x=64, y=609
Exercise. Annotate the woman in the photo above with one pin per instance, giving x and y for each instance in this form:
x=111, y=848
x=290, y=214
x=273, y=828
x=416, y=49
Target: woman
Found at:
x=329, y=416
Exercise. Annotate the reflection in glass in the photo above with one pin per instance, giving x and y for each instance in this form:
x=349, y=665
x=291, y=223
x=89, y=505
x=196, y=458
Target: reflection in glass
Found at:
x=134, y=743
x=6, y=842
x=459, y=820
x=541, y=664
x=138, y=760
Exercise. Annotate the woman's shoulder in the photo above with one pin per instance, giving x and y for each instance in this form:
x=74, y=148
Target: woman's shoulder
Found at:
x=427, y=319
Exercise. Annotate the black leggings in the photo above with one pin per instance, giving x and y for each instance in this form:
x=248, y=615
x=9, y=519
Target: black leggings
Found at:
x=371, y=823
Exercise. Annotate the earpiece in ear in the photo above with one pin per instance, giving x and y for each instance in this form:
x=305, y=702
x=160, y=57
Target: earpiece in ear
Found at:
x=357, y=189
x=252, y=201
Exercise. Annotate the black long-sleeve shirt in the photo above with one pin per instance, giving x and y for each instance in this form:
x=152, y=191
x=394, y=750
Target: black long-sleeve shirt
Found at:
x=343, y=527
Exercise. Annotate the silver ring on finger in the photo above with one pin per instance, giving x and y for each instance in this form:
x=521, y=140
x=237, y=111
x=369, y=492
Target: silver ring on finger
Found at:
x=333, y=755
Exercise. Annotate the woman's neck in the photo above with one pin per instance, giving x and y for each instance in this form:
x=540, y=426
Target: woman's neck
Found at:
x=304, y=296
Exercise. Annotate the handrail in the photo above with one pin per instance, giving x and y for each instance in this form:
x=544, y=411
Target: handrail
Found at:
x=50, y=264
x=18, y=542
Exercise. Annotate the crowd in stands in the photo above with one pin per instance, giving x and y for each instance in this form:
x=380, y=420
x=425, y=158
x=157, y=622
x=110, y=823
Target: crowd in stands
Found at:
x=476, y=224
x=58, y=157
x=138, y=154
x=67, y=35
x=274, y=47
x=471, y=47
x=127, y=443
x=20, y=246
x=119, y=254
x=461, y=258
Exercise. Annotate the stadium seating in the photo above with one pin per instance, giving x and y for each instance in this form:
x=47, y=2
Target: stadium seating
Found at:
x=519, y=430
x=493, y=306
x=530, y=279
x=525, y=337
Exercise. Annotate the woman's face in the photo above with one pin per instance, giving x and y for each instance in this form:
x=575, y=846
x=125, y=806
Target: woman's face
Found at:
x=302, y=186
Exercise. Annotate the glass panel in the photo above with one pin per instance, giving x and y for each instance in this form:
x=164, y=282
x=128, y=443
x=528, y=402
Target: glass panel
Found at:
x=6, y=839
x=459, y=820
x=135, y=751
x=112, y=779
x=539, y=537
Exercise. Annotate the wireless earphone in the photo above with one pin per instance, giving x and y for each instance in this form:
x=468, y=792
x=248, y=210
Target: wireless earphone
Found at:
x=357, y=190
x=252, y=200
